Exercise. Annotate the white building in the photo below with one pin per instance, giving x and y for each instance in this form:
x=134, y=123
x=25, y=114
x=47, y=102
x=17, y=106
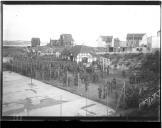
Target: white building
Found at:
x=105, y=62
x=150, y=41
x=83, y=53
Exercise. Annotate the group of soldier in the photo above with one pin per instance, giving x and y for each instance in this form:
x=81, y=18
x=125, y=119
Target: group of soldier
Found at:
x=107, y=89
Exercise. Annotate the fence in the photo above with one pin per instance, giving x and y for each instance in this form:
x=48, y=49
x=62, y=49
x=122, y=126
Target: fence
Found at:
x=150, y=100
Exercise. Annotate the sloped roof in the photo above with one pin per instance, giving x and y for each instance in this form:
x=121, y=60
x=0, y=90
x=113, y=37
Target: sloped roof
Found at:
x=100, y=49
x=81, y=49
x=43, y=48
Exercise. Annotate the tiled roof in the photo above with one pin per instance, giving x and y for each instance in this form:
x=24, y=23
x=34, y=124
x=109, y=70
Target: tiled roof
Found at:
x=100, y=49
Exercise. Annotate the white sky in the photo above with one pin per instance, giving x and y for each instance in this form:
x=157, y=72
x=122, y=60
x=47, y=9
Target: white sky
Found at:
x=85, y=22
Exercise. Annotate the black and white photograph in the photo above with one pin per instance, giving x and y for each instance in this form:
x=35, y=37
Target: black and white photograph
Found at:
x=81, y=61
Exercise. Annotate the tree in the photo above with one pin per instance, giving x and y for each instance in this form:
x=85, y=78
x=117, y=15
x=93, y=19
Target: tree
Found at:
x=149, y=72
x=150, y=69
x=132, y=96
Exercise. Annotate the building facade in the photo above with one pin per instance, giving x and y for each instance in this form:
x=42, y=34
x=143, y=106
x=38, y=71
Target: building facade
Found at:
x=53, y=43
x=81, y=53
x=85, y=57
x=66, y=40
x=133, y=40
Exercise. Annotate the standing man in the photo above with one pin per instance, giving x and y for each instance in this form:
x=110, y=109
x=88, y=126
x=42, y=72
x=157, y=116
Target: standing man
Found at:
x=99, y=92
x=114, y=83
x=86, y=84
x=107, y=70
x=108, y=88
x=104, y=92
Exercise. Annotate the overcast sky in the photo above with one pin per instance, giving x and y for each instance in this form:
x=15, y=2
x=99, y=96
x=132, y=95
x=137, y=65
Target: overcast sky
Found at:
x=85, y=22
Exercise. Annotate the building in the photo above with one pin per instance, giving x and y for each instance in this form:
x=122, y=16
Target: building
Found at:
x=134, y=39
x=66, y=40
x=146, y=43
x=105, y=62
x=53, y=43
x=35, y=42
x=116, y=45
x=81, y=53
x=123, y=46
x=150, y=42
x=156, y=40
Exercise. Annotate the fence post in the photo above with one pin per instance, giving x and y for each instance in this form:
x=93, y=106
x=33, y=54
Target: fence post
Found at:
x=61, y=105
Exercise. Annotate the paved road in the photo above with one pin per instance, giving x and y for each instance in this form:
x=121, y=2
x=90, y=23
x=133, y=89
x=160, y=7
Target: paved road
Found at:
x=20, y=98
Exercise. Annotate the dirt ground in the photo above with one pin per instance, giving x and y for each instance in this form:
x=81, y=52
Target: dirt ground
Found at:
x=92, y=92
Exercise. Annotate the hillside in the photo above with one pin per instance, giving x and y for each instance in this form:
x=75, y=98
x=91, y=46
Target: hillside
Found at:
x=9, y=51
x=17, y=43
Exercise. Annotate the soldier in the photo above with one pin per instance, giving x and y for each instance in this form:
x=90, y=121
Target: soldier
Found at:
x=99, y=92
x=114, y=83
x=86, y=84
x=107, y=70
x=110, y=88
x=104, y=92
x=69, y=81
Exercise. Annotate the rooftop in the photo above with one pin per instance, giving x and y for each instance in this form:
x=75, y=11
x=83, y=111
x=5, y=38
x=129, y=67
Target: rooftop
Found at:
x=135, y=35
x=81, y=49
